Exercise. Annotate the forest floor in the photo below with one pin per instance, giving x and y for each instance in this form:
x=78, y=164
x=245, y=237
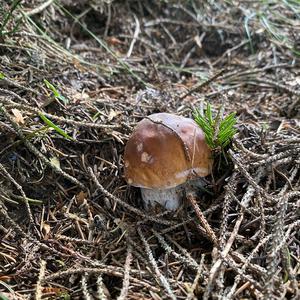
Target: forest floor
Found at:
x=75, y=78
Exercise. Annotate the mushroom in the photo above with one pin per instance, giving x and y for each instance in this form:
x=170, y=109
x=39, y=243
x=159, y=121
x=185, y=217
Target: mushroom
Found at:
x=164, y=154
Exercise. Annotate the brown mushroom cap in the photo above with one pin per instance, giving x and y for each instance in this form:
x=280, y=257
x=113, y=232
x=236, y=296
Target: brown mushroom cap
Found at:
x=164, y=151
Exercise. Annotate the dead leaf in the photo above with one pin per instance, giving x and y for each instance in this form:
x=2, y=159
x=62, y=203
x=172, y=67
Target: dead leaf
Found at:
x=114, y=41
x=80, y=197
x=18, y=116
x=46, y=230
x=82, y=96
x=112, y=114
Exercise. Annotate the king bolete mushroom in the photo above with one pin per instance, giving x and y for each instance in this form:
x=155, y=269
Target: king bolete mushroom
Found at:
x=164, y=153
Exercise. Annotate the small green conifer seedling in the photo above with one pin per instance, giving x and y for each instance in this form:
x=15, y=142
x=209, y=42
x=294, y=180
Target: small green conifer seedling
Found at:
x=218, y=131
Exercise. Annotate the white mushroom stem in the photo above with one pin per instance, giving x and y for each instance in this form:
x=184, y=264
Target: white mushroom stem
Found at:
x=169, y=198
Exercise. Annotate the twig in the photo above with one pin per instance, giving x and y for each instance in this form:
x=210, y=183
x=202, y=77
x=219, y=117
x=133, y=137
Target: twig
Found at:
x=38, y=9
x=277, y=157
x=35, y=151
x=191, y=198
x=38, y=289
x=191, y=294
x=233, y=290
x=231, y=186
x=124, y=204
x=125, y=286
x=164, y=282
x=28, y=108
x=217, y=265
x=277, y=85
x=186, y=260
x=14, y=95
x=135, y=36
x=20, y=189
x=20, y=86
x=109, y=270
x=202, y=85
x=10, y=221
x=247, y=175
x=100, y=288
x=84, y=287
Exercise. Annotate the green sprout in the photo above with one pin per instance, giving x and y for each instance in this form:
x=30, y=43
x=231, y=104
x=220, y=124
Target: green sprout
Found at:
x=55, y=92
x=218, y=131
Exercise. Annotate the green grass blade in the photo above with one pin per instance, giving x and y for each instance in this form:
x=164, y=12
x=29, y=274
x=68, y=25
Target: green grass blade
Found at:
x=55, y=92
x=8, y=16
x=271, y=29
x=51, y=87
x=102, y=43
x=2, y=297
x=246, y=25
x=55, y=127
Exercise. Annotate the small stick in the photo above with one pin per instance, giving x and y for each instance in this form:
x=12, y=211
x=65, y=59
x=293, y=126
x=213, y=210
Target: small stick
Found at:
x=191, y=198
x=202, y=84
x=20, y=189
x=35, y=151
x=38, y=9
x=125, y=287
x=38, y=289
x=191, y=294
x=84, y=287
x=124, y=204
x=135, y=36
x=100, y=288
x=108, y=270
x=163, y=280
x=188, y=261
